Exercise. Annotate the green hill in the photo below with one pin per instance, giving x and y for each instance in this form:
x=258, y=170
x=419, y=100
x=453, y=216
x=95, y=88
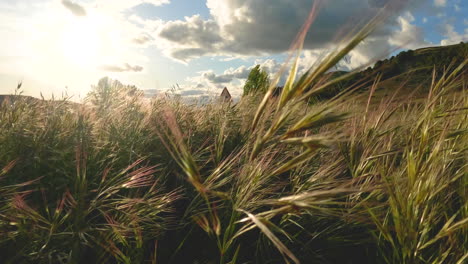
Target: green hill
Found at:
x=425, y=59
x=413, y=68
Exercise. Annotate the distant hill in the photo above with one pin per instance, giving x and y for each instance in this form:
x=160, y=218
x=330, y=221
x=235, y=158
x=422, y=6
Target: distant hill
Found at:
x=11, y=98
x=439, y=57
x=414, y=67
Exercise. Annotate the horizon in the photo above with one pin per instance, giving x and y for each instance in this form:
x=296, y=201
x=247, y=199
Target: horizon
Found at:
x=63, y=46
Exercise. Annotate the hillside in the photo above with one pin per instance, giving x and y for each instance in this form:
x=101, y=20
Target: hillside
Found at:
x=412, y=67
x=11, y=98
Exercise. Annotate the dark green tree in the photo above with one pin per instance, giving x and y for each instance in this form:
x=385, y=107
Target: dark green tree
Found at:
x=257, y=82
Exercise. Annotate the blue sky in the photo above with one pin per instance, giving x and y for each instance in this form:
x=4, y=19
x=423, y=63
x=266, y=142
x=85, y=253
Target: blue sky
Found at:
x=57, y=46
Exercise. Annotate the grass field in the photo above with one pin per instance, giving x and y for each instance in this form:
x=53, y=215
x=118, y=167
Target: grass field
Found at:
x=120, y=179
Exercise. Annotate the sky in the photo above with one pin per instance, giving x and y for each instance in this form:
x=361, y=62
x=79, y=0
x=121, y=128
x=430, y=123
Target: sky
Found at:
x=197, y=47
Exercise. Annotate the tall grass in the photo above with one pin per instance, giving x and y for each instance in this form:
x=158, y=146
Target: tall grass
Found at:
x=119, y=179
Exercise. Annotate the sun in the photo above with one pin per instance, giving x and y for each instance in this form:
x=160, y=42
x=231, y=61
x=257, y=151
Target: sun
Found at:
x=81, y=41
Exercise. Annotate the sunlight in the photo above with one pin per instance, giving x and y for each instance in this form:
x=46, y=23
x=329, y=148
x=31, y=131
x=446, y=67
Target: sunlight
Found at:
x=81, y=41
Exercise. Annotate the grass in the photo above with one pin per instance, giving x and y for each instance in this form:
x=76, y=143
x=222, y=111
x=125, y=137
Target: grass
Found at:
x=120, y=179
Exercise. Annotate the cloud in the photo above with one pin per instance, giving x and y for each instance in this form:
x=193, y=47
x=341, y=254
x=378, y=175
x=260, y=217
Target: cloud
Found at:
x=76, y=9
x=213, y=78
x=403, y=35
x=189, y=92
x=191, y=31
x=142, y=40
x=192, y=92
x=452, y=36
x=261, y=27
x=409, y=35
x=366, y=52
x=125, y=68
x=240, y=73
x=228, y=75
x=194, y=37
x=186, y=54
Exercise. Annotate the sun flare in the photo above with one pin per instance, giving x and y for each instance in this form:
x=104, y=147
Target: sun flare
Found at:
x=81, y=41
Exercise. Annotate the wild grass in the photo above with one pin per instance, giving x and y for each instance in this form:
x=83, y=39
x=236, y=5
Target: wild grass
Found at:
x=351, y=179
x=131, y=181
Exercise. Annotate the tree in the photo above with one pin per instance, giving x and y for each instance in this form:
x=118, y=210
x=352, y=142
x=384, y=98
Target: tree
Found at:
x=257, y=82
x=108, y=94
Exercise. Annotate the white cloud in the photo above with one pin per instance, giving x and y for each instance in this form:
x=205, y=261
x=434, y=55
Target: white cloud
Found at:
x=265, y=27
x=409, y=35
x=261, y=27
x=229, y=75
x=193, y=37
x=452, y=36
x=122, y=68
x=365, y=53
x=405, y=35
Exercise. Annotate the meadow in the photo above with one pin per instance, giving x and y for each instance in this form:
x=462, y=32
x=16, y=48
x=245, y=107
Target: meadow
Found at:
x=287, y=178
